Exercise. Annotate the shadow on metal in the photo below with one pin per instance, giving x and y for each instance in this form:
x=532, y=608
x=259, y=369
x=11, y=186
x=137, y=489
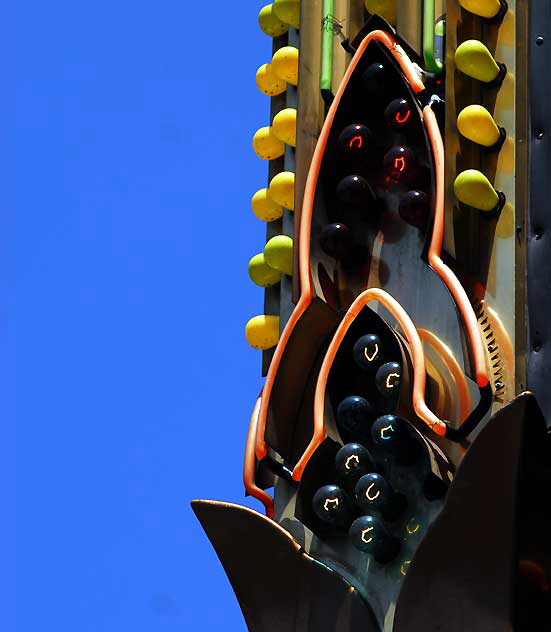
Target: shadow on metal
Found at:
x=278, y=586
x=484, y=565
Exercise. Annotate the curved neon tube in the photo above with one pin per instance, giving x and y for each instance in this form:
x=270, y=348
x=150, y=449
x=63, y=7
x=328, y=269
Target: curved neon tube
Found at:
x=305, y=275
x=463, y=394
x=435, y=248
x=250, y=463
x=419, y=371
x=444, y=272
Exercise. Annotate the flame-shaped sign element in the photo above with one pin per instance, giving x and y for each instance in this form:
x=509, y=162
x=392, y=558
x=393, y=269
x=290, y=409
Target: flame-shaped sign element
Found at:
x=330, y=501
x=388, y=380
x=383, y=430
x=400, y=163
x=368, y=493
x=364, y=534
x=371, y=357
x=352, y=457
x=356, y=142
x=402, y=118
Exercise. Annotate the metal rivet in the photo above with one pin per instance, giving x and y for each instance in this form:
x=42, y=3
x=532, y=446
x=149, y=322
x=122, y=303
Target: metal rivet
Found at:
x=539, y=41
x=540, y=135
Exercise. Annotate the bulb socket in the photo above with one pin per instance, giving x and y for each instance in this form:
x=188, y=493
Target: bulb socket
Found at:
x=496, y=83
x=497, y=146
x=497, y=208
x=498, y=17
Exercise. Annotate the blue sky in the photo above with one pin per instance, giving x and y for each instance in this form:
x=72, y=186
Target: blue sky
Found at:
x=125, y=232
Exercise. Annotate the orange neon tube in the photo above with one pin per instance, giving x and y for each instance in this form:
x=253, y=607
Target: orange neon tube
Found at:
x=249, y=464
x=463, y=394
x=419, y=371
x=306, y=285
x=435, y=249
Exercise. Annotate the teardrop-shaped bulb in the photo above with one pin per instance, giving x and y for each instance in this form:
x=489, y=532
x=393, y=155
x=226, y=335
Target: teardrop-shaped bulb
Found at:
x=267, y=145
x=484, y=8
x=278, y=254
x=473, y=188
x=476, y=123
x=282, y=189
x=264, y=207
x=332, y=505
x=288, y=11
x=284, y=126
x=270, y=23
x=262, y=332
x=384, y=8
x=285, y=64
x=261, y=273
x=268, y=82
x=475, y=60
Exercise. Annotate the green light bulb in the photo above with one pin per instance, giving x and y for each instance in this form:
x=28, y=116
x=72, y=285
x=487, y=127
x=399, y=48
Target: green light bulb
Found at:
x=473, y=188
x=476, y=123
x=476, y=61
x=260, y=272
x=278, y=254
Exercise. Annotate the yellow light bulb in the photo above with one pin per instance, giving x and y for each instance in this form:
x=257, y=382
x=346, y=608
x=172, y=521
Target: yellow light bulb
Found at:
x=261, y=273
x=284, y=126
x=476, y=61
x=262, y=332
x=288, y=11
x=267, y=145
x=270, y=23
x=474, y=189
x=476, y=123
x=282, y=189
x=268, y=82
x=384, y=8
x=285, y=64
x=484, y=8
x=264, y=207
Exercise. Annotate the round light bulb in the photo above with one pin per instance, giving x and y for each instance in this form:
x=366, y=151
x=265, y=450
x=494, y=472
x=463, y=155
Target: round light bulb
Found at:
x=384, y=8
x=332, y=505
x=282, y=189
x=261, y=273
x=270, y=23
x=353, y=460
x=267, y=145
x=262, y=332
x=368, y=534
x=336, y=241
x=476, y=61
x=285, y=64
x=484, y=8
x=354, y=139
x=368, y=351
x=373, y=79
x=476, y=123
x=268, y=82
x=284, y=126
x=473, y=188
x=288, y=11
x=264, y=207
x=354, y=191
x=354, y=417
x=278, y=253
